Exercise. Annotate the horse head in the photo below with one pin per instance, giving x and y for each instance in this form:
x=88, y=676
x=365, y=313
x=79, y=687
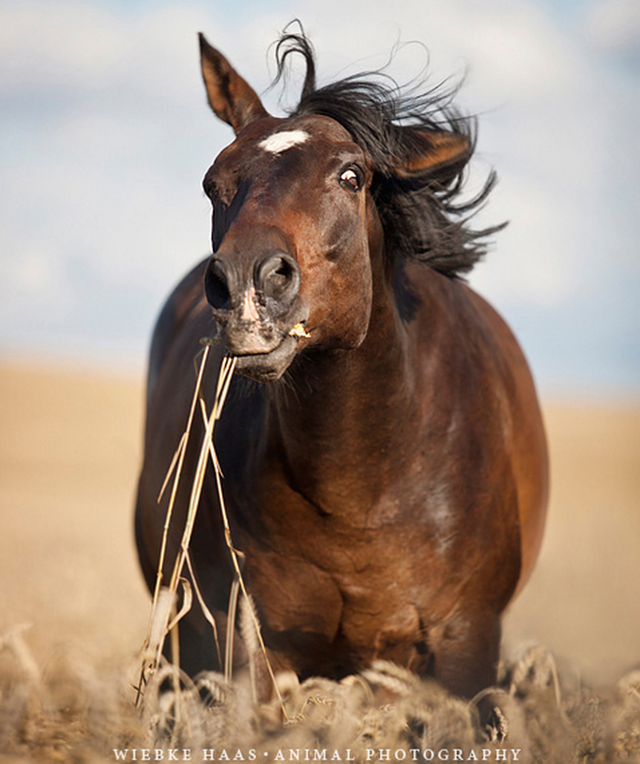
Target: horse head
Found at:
x=297, y=239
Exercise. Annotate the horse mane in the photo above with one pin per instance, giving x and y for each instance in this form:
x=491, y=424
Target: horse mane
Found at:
x=423, y=217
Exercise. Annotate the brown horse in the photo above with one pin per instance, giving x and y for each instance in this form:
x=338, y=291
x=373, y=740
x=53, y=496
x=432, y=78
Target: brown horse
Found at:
x=384, y=460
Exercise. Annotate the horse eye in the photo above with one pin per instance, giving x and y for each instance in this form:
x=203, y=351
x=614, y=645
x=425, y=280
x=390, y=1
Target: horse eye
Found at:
x=350, y=178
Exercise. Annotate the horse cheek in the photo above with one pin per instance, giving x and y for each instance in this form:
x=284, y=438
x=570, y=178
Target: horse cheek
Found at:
x=337, y=283
x=358, y=299
x=350, y=292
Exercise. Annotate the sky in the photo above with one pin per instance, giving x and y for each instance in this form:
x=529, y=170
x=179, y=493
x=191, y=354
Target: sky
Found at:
x=105, y=136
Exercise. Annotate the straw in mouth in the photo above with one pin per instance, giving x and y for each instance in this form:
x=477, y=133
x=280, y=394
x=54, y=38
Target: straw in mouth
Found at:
x=164, y=617
x=299, y=331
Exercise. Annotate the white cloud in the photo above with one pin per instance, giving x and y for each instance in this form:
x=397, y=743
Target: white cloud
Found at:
x=66, y=45
x=614, y=25
x=109, y=135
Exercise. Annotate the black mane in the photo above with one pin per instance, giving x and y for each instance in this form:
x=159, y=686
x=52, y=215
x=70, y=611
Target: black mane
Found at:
x=422, y=217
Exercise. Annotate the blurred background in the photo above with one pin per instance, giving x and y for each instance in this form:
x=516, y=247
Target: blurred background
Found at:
x=105, y=136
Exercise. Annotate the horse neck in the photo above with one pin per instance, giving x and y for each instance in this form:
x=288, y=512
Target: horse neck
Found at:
x=341, y=411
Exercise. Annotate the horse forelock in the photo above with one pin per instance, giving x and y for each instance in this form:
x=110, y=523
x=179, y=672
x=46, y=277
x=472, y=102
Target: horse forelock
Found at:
x=423, y=218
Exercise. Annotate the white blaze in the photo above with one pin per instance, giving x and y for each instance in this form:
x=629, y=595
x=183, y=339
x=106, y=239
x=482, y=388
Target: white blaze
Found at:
x=249, y=312
x=279, y=142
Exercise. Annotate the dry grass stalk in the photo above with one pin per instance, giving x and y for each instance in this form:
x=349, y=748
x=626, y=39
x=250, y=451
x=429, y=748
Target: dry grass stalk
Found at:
x=159, y=618
x=205, y=610
x=177, y=464
x=224, y=380
x=231, y=618
x=392, y=677
x=187, y=601
x=223, y=387
x=226, y=372
x=161, y=621
x=160, y=615
x=248, y=620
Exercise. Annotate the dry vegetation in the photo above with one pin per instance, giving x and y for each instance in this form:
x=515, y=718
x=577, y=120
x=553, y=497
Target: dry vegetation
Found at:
x=68, y=456
x=73, y=712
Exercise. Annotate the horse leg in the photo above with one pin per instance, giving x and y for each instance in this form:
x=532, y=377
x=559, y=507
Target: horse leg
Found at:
x=196, y=646
x=199, y=653
x=466, y=651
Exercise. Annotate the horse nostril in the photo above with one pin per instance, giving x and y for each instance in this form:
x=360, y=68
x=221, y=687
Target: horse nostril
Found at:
x=216, y=286
x=278, y=277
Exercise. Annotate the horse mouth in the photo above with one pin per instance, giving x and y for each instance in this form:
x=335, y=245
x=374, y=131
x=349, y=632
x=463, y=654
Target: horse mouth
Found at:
x=270, y=366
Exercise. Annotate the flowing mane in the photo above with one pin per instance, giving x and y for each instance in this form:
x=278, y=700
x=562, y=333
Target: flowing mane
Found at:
x=424, y=218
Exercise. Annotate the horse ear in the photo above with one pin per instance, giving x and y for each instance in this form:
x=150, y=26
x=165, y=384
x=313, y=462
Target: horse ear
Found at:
x=231, y=98
x=437, y=155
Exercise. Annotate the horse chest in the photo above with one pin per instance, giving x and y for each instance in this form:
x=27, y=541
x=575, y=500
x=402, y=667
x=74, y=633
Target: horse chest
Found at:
x=335, y=601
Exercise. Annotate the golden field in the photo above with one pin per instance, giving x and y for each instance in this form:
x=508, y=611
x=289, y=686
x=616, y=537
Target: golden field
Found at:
x=70, y=446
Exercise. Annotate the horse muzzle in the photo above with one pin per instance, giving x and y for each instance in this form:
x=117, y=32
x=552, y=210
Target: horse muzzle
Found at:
x=256, y=314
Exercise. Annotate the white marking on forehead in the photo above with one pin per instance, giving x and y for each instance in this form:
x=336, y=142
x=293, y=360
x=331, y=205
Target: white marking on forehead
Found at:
x=279, y=142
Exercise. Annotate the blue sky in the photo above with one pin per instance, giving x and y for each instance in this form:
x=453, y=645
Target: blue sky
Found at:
x=105, y=136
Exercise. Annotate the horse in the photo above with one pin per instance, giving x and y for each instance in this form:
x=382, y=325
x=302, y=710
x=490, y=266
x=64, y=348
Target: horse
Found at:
x=382, y=446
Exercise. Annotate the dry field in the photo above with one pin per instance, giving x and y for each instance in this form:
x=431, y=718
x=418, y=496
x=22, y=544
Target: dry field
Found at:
x=73, y=610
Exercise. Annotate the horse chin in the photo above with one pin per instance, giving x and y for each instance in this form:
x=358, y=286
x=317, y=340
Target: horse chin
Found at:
x=268, y=367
